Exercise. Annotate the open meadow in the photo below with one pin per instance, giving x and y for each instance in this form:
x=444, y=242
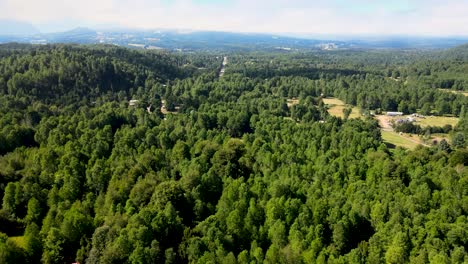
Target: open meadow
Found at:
x=336, y=107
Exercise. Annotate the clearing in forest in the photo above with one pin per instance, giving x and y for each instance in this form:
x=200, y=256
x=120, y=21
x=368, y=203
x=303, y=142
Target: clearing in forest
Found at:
x=164, y=110
x=399, y=140
x=385, y=122
x=410, y=141
x=455, y=92
x=292, y=101
x=439, y=121
x=332, y=101
x=336, y=106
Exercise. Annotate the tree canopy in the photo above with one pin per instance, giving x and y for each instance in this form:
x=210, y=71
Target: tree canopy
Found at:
x=231, y=172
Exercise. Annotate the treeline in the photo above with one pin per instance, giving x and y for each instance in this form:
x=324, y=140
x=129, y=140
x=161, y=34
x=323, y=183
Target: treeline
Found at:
x=408, y=127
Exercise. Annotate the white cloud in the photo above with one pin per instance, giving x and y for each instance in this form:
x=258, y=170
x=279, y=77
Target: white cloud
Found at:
x=432, y=17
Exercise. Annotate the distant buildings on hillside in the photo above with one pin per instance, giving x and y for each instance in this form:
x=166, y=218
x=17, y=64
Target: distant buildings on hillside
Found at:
x=328, y=46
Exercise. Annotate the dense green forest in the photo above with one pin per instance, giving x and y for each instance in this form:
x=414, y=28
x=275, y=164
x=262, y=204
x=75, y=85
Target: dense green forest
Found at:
x=227, y=171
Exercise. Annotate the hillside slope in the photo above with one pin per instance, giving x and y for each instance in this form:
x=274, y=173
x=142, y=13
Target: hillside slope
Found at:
x=64, y=74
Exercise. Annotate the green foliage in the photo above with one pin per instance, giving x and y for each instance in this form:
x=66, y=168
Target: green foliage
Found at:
x=9, y=251
x=234, y=174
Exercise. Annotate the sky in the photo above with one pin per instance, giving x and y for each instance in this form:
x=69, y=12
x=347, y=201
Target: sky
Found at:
x=332, y=17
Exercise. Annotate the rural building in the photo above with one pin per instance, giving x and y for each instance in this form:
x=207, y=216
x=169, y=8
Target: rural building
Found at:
x=132, y=102
x=394, y=113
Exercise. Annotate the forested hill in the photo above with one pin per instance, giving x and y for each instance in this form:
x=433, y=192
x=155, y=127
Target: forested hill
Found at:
x=251, y=167
x=460, y=53
x=66, y=74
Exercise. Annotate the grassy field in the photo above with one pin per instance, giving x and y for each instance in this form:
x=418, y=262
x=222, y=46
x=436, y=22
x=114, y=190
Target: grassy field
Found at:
x=437, y=121
x=336, y=107
x=455, y=92
x=19, y=240
x=398, y=140
x=332, y=101
x=440, y=136
x=292, y=101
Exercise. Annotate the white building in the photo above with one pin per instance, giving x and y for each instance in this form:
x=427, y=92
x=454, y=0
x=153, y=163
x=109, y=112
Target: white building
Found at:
x=394, y=113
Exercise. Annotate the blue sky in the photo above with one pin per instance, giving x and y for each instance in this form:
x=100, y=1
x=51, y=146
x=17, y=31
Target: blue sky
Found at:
x=333, y=17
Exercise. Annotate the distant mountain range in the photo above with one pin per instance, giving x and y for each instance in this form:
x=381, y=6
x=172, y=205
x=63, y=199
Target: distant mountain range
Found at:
x=210, y=40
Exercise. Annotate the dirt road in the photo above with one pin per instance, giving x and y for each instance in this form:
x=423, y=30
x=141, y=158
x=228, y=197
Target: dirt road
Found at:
x=384, y=122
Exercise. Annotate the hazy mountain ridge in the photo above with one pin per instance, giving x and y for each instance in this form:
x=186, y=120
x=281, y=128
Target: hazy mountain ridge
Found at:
x=172, y=39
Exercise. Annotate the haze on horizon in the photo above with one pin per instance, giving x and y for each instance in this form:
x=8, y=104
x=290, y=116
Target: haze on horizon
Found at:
x=334, y=17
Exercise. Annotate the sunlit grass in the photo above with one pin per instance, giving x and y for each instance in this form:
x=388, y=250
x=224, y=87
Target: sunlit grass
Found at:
x=437, y=121
x=455, y=92
x=292, y=101
x=19, y=240
x=398, y=140
x=336, y=107
x=333, y=101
